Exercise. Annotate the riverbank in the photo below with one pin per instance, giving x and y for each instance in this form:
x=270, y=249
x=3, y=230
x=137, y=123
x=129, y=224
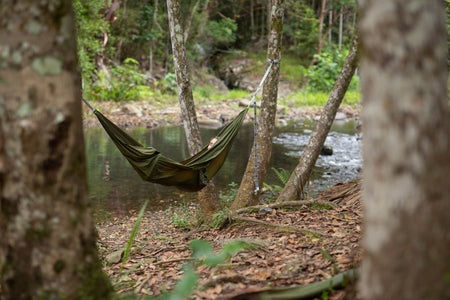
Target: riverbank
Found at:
x=143, y=113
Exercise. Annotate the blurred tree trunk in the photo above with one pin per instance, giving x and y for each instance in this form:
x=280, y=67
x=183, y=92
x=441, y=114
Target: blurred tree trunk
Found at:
x=47, y=236
x=406, y=146
x=208, y=197
x=246, y=195
x=294, y=187
x=323, y=11
x=330, y=22
x=341, y=25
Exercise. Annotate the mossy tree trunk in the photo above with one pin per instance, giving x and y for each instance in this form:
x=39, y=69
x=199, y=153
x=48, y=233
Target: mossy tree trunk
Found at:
x=406, y=126
x=294, y=187
x=246, y=195
x=208, y=198
x=47, y=236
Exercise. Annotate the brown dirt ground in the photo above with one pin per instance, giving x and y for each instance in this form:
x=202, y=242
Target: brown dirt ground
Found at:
x=297, y=245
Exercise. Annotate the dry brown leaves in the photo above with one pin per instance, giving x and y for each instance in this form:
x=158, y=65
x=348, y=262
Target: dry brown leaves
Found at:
x=308, y=245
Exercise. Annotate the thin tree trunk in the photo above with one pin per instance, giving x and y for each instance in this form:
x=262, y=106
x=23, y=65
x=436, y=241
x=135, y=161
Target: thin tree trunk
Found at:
x=208, y=197
x=246, y=195
x=188, y=22
x=47, y=236
x=152, y=42
x=323, y=11
x=330, y=23
x=341, y=23
x=252, y=21
x=406, y=119
x=294, y=187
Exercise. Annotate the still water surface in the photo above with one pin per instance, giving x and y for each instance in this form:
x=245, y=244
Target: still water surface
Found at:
x=116, y=189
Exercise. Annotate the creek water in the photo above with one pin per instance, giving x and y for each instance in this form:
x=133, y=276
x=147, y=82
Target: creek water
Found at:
x=116, y=189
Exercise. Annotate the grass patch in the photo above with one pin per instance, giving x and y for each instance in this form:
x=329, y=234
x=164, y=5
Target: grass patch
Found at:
x=304, y=97
x=211, y=94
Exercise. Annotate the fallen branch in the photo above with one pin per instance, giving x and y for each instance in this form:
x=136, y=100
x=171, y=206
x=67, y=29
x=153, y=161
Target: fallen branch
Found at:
x=303, y=291
x=278, y=226
x=282, y=205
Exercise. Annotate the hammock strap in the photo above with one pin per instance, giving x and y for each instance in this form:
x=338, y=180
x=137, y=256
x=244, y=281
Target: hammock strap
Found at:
x=88, y=104
x=255, y=125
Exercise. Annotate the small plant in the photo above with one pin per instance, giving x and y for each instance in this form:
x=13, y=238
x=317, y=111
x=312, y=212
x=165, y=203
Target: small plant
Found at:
x=283, y=175
x=229, y=196
x=181, y=217
x=168, y=84
x=126, y=252
x=203, y=254
x=221, y=218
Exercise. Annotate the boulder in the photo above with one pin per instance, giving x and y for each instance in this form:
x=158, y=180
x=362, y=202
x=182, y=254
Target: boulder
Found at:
x=326, y=150
x=131, y=110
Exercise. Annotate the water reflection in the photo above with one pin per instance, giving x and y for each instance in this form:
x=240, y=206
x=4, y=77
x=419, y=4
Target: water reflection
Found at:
x=116, y=189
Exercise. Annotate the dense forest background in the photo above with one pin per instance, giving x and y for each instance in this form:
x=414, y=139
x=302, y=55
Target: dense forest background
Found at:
x=125, y=52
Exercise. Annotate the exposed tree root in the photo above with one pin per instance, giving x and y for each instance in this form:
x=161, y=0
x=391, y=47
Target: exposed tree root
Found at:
x=283, y=205
x=348, y=193
x=303, y=291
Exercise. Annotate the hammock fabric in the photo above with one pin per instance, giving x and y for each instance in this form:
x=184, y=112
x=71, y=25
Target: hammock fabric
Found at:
x=192, y=174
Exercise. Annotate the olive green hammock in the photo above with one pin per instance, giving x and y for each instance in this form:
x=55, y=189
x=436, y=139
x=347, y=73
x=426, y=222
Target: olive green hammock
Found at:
x=191, y=174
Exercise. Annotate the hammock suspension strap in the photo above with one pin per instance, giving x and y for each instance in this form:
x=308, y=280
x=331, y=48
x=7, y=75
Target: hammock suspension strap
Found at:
x=255, y=125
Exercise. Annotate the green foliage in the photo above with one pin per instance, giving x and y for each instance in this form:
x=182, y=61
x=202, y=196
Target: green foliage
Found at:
x=300, y=29
x=221, y=32
x=221, y=218
x=331, y=259
x=181, y=217
x=126, y=252
x=306, y=97
x=168, y=84
x=323, y=75
x=203, y=254
x=90, y=26
x=120, y=83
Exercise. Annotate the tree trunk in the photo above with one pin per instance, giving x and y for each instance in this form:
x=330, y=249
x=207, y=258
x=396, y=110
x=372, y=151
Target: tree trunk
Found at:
x=294, y=187
x=406, y=118
x=246, y=195
x=47, y=236
x=330, y=23
x=341, y=25
x=323, y=11
x=208, y=198
x=188, y=22
x=252, y=21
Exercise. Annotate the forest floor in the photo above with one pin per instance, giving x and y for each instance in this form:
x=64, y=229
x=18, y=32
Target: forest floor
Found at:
x=294, y=245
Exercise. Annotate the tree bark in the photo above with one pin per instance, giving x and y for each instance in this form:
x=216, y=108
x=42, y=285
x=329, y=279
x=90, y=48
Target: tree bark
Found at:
x=406, y=118
x=246, y=195
x=323, y=11
x=341, y=23
x=208, y=197
x=47, y=244
x=294, y=187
